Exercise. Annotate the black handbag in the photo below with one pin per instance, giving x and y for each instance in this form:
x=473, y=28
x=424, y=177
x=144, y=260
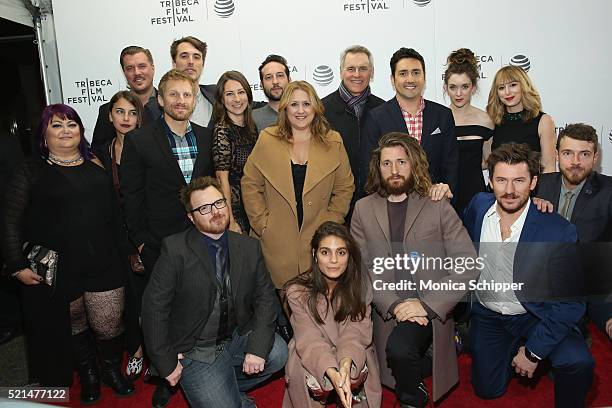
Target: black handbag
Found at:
x=43, y=261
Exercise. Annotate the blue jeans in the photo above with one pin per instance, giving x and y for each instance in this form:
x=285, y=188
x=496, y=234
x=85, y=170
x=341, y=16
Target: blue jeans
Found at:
x=222, y=384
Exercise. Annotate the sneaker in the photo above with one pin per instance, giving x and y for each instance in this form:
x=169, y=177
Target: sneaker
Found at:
x=134, y=367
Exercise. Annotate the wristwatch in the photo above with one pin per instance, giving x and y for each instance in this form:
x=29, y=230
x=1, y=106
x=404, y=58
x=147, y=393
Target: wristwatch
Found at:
x=530, y=356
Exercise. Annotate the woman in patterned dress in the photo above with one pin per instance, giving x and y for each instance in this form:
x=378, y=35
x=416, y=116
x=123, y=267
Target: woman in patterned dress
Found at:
x=234, y=137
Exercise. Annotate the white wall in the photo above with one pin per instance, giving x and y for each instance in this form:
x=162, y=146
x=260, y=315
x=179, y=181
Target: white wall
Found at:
x=567, y=44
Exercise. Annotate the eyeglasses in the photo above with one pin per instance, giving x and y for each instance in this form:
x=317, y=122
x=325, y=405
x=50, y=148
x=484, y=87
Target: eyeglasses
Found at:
x=206, y=208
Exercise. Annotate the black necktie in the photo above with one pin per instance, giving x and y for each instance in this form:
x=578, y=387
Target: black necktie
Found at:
x=219, y=260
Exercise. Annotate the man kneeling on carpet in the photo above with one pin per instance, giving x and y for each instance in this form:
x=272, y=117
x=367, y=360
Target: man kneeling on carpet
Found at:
x=514, y=330
x=208, y=311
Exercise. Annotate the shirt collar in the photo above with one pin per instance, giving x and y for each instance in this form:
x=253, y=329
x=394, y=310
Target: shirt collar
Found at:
x=170, y=132
x=575, y=190
x=418, y=112
x=520, y=221
x=222, y=239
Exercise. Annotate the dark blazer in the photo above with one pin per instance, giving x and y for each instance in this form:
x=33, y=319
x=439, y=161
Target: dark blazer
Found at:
x=438, y=137
x=539, y=266
x=351, y=129
x=209, y=92
x=181, y=294
x=151, y=180
x=592, y=213
x=104, y=131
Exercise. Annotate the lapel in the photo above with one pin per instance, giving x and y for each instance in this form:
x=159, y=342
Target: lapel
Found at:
x=198, y=246
x=200, y=137
x=382, y=217
x=415, y=206
x=275, y=166
x=530, y=229
x=159, y=134
x=428, y=124
x=588, y=191
x=556, y=191
x=321, y=162
x=235, y=261
x=395, y=115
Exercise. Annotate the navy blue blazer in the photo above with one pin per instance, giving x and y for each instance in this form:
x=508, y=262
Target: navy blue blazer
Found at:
x=438, y=137
x=545, y=260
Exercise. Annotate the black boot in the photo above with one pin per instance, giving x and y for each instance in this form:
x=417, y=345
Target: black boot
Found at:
x=111, y=352
x=87, y=366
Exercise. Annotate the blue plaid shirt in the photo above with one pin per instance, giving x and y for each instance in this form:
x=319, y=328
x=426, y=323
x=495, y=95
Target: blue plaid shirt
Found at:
x=184, y=148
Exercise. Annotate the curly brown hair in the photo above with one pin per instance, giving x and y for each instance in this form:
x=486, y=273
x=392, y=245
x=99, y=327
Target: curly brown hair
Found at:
x=420, y=180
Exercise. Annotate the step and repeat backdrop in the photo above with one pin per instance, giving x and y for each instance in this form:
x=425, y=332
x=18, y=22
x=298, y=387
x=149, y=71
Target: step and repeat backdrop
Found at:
x=564, y=46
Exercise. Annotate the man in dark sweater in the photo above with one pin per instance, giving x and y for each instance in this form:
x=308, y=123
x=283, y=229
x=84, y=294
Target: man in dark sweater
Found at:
x=347, y=108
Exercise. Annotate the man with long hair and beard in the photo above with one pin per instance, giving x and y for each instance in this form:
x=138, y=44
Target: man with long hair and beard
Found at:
x=398, y=219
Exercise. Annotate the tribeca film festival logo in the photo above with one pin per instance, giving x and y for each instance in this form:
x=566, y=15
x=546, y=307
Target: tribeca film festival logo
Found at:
x=521, y=61
x=91, y=91
x=323, y=75
x=366, y=6
x=224, y=8
x=175, y=12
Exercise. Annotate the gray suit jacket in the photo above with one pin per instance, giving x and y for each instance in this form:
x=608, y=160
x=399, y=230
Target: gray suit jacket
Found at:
x=433, y=229
x=181, y=293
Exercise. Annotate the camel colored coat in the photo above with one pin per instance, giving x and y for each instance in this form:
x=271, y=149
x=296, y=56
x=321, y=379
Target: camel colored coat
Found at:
x=269, y=199
x=315, y=348
x=433, y=229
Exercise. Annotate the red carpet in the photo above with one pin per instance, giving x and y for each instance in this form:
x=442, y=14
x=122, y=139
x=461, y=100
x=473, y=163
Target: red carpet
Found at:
x=538, y=393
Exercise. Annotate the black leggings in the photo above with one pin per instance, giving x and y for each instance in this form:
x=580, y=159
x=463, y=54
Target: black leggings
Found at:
x=102, y=311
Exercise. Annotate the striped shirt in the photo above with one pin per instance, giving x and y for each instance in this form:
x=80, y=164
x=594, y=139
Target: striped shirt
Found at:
x=184, y=148
x=414, y=123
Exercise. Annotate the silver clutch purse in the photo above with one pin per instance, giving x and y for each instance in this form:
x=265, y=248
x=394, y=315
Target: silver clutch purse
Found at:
x=43, y=261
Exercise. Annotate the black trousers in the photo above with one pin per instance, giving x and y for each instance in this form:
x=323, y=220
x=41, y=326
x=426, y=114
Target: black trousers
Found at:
x=406, y=356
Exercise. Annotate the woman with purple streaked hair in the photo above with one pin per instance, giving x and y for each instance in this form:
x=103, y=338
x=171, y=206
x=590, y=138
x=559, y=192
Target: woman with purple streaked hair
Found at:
x=64, y=202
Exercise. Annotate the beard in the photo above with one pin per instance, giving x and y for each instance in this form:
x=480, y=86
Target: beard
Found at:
x=576, y=175
x=512, y=210
x=178, y=116
x=271, y=96
x=396, y=188
x=216, y=225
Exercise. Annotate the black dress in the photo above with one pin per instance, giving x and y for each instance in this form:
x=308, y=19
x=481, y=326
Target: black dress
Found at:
x=231, y=148
x=514, y=130
x=70, y=210
x=471, y=180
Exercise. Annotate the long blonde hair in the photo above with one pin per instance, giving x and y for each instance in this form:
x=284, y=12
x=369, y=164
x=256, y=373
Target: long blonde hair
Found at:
x=319, y=127
x=532, y=103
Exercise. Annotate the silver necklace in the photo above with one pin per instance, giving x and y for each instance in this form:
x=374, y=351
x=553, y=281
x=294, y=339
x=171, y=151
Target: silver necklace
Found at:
x=57, y=160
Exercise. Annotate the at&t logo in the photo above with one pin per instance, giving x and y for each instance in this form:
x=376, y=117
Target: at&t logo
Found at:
x=421, y=3
x=323, y=75
x=521, y=61
x=224, y=8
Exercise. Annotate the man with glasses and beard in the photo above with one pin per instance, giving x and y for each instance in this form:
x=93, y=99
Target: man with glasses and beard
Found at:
x=274, y=77
x=208, y=311
x=584, y=198
x=157, y=161
x=399, y=220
